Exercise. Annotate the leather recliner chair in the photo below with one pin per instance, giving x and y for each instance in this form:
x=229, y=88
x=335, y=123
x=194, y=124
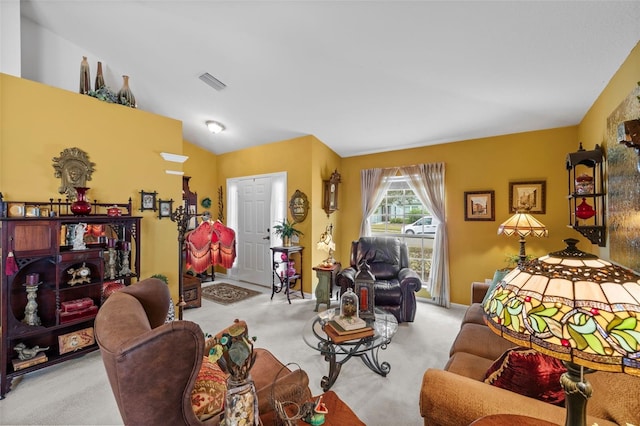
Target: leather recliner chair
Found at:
x=396, y=284
x=152, y=365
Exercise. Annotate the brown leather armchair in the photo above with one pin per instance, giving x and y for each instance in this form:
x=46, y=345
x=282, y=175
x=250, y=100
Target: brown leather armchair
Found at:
x=152, y=366
x=396, y=284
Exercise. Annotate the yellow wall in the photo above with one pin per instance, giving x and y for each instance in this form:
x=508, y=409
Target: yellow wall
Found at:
x=201, y=166
x=475, y=249
x=292, y=156
x=39, y=121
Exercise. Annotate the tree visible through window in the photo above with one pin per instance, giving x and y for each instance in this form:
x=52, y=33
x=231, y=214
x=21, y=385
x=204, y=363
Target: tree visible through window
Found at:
x=402, y=214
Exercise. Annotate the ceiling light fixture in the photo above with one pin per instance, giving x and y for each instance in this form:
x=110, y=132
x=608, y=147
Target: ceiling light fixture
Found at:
x=174, y=158
x=215, y=127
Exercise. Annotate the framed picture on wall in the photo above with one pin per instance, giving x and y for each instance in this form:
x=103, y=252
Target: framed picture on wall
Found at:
x=147, y=201
x=479, y=205
x=165, y=207
x=529, y=196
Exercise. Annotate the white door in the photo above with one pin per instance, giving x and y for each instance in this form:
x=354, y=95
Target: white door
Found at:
x=254, y=223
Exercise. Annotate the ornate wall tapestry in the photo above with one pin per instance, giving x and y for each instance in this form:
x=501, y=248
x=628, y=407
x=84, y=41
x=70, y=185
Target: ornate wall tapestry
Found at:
x=623, y=186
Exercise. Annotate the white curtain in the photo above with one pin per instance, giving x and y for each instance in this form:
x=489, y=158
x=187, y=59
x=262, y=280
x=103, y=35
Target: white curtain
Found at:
x=427, y=182
x=374, y=184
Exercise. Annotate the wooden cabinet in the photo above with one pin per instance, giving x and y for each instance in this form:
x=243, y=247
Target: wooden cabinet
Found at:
x=65, y=286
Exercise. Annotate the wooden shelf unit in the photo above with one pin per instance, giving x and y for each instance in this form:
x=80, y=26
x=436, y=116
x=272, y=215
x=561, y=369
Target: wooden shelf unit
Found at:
x=40, y=245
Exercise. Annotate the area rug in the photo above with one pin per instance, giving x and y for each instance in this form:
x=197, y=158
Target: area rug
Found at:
x=226, y=294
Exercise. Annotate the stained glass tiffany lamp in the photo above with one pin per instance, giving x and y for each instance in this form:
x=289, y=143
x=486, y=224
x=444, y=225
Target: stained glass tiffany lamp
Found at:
x=576, y=307
x=523, y=224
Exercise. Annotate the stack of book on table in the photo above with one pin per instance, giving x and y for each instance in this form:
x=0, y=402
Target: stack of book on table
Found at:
x=343, y=329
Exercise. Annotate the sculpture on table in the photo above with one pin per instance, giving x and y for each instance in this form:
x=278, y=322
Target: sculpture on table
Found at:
x=25, y=353
x=78, y=237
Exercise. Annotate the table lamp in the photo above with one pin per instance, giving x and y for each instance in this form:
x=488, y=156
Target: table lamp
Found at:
x=575, y=307
x=523, y=224
x=327, y=244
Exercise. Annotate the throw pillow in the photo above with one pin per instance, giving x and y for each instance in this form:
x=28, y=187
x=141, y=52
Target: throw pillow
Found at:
x=530, y=373
x=209, y=390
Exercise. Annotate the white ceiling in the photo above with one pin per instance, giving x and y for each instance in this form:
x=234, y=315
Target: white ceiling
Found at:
x=361, y=76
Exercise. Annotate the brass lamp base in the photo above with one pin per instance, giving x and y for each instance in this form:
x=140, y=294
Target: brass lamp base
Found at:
x=577, y=391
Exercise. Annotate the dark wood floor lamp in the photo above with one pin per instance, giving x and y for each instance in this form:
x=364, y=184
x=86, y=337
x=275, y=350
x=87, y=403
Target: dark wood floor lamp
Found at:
x=181, y=218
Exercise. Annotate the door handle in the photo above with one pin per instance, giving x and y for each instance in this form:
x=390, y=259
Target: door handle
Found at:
x=268, y=237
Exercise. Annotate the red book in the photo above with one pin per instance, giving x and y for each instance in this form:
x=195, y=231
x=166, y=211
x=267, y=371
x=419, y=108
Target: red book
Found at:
x=74, y=315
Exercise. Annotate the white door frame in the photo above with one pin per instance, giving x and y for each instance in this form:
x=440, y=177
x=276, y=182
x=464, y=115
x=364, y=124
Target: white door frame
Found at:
x=277, y=209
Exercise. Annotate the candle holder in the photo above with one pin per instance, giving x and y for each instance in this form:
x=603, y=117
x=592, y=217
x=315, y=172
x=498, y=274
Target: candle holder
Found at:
x=31, y=309
x=126, y=249
x=111, y=264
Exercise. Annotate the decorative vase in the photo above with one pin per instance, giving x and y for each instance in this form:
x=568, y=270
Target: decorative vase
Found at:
x=584, y=210
x=99, y=77
x=241, y=403
x=291, y=270
x=81, y=206
x=85, y=78
x=125, y=96
x=286, y=241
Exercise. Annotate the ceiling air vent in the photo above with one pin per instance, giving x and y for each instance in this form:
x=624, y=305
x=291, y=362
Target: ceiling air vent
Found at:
x=212, y=81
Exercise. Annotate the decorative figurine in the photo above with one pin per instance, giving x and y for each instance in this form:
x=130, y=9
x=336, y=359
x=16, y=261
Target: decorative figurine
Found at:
x=78, y=237
x=315, y=417
x=25, y=353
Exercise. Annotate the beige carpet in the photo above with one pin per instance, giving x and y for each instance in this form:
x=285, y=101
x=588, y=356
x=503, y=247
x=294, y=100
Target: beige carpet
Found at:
x=226, y=294
x=77, y=392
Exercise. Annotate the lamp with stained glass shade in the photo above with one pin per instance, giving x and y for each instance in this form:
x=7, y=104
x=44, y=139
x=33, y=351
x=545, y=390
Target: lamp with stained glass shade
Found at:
x=576, y=307
x=523, y=224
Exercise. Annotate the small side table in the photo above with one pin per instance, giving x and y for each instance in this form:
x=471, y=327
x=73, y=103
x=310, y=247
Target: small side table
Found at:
x=326, y=280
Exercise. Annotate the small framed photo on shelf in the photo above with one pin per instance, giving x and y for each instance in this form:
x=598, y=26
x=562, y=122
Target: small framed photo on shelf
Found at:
x=15, y=209
x=165, y=207
x=148, y=201
x=32, y=211
x=479, y=205
x=529, y=196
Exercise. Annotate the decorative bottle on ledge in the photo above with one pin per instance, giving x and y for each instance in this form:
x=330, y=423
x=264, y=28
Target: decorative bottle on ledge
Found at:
x=125, y=96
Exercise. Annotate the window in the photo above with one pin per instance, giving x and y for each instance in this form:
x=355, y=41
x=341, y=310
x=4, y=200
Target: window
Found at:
x=402, y=214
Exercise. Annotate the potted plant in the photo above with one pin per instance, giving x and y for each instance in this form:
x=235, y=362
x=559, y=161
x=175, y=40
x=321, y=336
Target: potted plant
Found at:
x=286, y=230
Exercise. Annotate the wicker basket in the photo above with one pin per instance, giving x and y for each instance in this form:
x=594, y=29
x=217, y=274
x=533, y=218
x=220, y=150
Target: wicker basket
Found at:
x=289, y=399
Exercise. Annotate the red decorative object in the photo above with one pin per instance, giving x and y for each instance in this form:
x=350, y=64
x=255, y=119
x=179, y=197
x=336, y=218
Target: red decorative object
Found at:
x=584, y=210
x=114, y=211
x=364, y=298
x=283, y=256
x=81, y=206
x=291, y=271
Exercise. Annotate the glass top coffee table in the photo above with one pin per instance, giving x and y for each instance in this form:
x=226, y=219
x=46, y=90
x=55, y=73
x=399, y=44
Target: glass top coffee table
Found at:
x=385, y=326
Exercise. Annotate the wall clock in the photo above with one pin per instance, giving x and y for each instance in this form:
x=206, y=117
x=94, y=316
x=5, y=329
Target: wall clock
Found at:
x=330, y=198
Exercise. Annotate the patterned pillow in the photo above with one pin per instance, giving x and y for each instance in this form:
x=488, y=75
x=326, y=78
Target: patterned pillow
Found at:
x=208, y=393
x=530, y=373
